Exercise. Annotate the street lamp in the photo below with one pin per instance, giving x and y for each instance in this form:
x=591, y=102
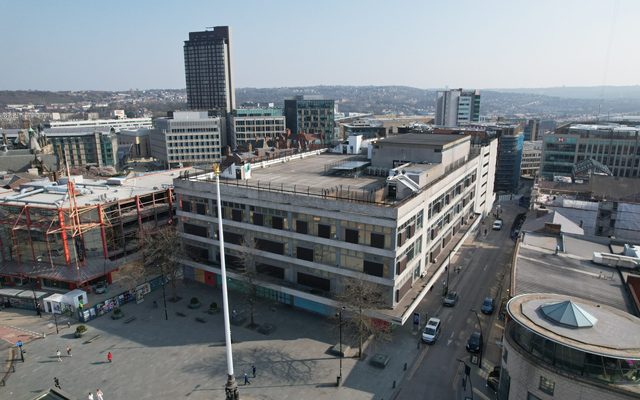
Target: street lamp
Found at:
x=340, y=344
x=231, y=387
x=164, y=296
x=481, y=337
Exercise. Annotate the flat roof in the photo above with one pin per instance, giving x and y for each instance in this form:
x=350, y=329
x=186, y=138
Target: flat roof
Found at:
x=131, y=187
x=539, y=270
x=425, y=139
x=614, y=334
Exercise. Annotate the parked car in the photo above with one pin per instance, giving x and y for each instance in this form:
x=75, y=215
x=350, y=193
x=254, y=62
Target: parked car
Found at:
x=101, y=287
x=487, y=305
x=431, y=331
x=450, y=299
x=497, y=225
x=474, y=344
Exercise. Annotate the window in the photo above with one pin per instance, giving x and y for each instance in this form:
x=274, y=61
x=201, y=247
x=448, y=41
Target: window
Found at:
x=324, y=231
x=258, y=219
x=377, y=240
x=277, y=222
x=314, y=281
x=304, y=253
x=373, y=268
x=186, y=206
x=197, y=230
x=236, y=215
x=270, y=246
x=201, y=208
x=546, y=385
x=302, y=227
x=351, y=236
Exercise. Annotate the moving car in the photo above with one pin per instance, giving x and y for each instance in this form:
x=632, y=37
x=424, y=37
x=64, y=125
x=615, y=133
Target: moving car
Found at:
x=474, y=344
x=487, y=305
x=497, y=225
x=431, y=331
x=450, y=299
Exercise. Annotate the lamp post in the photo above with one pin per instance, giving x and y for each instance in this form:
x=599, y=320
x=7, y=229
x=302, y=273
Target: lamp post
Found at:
x=481, y=337
x=340, y=344
x=231, y=387
x=164, y=296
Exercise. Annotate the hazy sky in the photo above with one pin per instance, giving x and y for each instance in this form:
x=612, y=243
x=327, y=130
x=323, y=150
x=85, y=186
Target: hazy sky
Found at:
x=115, y=45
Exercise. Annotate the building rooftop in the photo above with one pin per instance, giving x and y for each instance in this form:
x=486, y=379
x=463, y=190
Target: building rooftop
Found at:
x=92, y=192
x=612, y=333
x=425, y=139
x=571, y=273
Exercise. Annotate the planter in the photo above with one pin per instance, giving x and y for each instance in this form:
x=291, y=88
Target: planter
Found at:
x=194, y=303
x=80, y=331
x=117, y=314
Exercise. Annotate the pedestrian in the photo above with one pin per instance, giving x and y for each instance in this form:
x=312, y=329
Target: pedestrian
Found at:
x=99, y=394
x=246, y=379
x=234, y=314
x=68, y=324
x=90, y=397
x=56, y=383
x=253, y=369
x=109, y=356
x=69, y=351
x=58, y=355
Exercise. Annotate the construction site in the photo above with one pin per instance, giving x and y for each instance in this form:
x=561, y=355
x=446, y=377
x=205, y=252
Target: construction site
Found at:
x=76, y=232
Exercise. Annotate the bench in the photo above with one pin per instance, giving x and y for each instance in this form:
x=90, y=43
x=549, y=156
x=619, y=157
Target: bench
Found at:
x=130, y=319
x=93, y=338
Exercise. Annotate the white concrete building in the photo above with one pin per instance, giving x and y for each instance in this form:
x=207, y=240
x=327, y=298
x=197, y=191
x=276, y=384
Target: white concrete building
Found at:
x=189, y=138
x=531, y=158
x=116, y=124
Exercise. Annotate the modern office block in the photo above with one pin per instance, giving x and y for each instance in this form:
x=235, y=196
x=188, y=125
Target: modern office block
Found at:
x=457, y=106
x=311, y=114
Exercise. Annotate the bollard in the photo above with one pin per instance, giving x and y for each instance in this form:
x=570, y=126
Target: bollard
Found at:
x=394, y=384
x=405, y=366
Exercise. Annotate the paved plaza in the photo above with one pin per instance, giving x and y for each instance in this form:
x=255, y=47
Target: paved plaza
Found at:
x=183, y=358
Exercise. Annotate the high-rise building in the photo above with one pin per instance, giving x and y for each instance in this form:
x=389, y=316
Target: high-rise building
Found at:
x=531, y=129
x=457, y=106
x=207, y=66
x=311, y=114
x=510, y=143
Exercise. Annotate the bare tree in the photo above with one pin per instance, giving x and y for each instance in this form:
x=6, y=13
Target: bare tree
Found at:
x=248, y=261
x=133, y=274
x=358, y=297
x=162, y=252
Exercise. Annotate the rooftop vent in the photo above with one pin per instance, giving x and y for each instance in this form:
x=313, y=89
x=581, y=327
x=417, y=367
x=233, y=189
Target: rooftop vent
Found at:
x=569, y=314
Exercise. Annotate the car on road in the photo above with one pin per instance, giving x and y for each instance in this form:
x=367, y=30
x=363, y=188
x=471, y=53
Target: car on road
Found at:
x=488, y=305
x=101, y=287
x=431, y=330
x=450, y=299
x=474, y=344
x=497, y=225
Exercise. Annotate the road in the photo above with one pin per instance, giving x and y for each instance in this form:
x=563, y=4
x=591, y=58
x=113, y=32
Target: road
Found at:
x=436, y=373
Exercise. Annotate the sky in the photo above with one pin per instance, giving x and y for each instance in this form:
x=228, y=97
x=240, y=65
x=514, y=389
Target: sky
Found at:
x=137, y=44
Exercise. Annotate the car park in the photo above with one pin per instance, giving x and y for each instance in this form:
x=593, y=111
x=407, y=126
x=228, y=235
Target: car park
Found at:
x=450, y=299
x=497, y=225
x=487, y=305
x=431, y=331
x=474, y=344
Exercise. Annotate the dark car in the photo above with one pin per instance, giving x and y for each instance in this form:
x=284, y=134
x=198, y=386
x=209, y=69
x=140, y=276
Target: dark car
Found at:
x=487, y=305
x=474, y=344
x=450, y=299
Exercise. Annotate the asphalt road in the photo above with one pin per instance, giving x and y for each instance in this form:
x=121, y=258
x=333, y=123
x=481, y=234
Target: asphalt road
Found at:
x=437, y=373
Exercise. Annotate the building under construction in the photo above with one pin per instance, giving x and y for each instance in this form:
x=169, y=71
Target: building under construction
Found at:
x=65, y=235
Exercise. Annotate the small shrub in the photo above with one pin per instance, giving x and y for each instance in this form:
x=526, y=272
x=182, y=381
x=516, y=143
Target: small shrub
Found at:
x=194, y=300
x=81, y=328
x=117, y=313
x=213, y=306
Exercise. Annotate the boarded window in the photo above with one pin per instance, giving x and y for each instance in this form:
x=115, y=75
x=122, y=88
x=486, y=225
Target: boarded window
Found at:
x=270, y=246
x=324, y=231
x=236, y=215
x=377, y=240
x=197, y=230
x=314, y=281
x=277, y=222
x=258, y=219
x=302, y=226
x=351, y=236
x=304, y=254
x=270, y=270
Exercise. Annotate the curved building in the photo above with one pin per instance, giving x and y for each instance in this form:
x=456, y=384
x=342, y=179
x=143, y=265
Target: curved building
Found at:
x=563, y=347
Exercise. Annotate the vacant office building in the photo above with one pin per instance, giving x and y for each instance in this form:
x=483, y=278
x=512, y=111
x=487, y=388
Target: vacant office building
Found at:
x=253, y=125
x=457, y=106
x=313, y=221
x=207, y=66
x=311, y=114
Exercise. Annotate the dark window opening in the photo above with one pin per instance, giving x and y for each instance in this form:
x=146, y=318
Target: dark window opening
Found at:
x=236, y=215
x=277, y=222
x=231, y=237
x=258, y=219
x=304, y=253
x=373, y=268
x=186, y=206
x=351, y=236
x=324, y=231
x=314, y=282
x=270, y=246
x=201, y=208
x=270, y=270
x=302, y=226
x=197, y=230
x=377, y=240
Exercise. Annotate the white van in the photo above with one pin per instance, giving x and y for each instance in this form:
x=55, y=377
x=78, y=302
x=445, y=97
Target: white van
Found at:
x=431, y=330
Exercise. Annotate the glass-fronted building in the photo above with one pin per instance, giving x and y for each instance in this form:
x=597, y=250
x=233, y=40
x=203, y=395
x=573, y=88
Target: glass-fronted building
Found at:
x=510, y=144
x=311, y=114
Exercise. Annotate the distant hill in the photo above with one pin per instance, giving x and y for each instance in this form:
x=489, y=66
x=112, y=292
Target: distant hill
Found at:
x=43, y=97
x=583, y=92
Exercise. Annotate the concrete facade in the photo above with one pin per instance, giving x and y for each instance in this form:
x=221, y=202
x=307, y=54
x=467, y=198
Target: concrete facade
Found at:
x=253, y=125
x=531, y=158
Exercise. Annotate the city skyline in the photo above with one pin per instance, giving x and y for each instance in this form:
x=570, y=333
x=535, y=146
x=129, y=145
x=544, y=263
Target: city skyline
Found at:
x=467, y=44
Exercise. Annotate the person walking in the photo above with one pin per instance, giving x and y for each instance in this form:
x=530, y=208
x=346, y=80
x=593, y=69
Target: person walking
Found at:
x=58, y=355
x=69, y=351
x=109, y=356
x=99, y=394
x=56, y=382
x=253, y=369
x=246, y=379
x=90, y=397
